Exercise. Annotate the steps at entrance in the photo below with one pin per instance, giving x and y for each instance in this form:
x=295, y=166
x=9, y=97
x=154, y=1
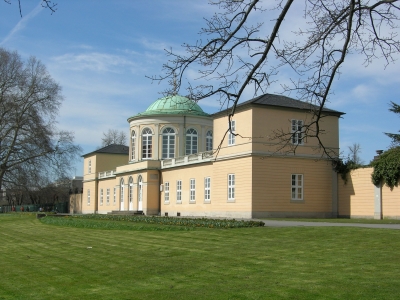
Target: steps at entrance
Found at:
x=126, y=212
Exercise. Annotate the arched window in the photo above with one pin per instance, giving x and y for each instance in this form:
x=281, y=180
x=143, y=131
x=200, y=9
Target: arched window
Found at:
x=146, y=143
x=191, y=141
x=168, y=143
x=133, y=145
x=209, y=141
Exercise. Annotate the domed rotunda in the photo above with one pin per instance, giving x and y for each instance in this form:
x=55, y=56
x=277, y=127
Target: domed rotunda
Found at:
x=170, y=127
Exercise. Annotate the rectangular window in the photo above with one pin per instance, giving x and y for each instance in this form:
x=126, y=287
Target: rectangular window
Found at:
x=108, y=197
x=207, y=189
x=192, y=189
x=297, y=132
x=166, y=192
x=179, y=191
x=90, y=166
x=101, y=196
x=88, y=197
x=231, y=187
x=231, y=136
x=297, y=186
x=115, y=195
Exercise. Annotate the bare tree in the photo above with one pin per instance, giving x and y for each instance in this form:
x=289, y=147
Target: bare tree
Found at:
x=113, y=136
x=31, y=148
x=242, y=50
x=45, y=4
x=354, y=154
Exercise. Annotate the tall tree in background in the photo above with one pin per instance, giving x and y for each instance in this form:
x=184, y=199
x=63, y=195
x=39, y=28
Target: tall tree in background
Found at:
x=113, y=136
x=354, y=154
x=240, y=49
x=394, y=136
x=32, y=150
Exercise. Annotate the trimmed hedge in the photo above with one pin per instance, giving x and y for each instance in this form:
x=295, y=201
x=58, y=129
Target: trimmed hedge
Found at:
x=197, y=222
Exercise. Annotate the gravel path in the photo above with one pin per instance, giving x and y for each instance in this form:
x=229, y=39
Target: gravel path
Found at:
x=274, y=223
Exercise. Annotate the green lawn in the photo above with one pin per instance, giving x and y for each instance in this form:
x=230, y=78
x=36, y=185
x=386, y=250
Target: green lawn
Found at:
x=40, y=261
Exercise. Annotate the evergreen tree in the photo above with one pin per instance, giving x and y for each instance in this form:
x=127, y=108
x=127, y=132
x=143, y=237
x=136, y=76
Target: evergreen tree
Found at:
x=394, y=136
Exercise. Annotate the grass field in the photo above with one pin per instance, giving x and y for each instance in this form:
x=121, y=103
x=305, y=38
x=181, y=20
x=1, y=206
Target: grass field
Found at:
x=40, y=261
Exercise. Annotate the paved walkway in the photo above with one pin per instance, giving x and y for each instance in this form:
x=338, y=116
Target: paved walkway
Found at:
x=275, y=223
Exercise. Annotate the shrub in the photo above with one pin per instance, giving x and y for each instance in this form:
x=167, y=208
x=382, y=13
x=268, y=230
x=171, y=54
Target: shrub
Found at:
x=197, y=222
x=387, y=168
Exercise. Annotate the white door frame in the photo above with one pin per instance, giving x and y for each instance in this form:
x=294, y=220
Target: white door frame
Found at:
x=121, y=195
x=130, y=193
x=140, y=193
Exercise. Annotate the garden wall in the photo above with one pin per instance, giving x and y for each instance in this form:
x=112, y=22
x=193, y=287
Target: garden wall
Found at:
x=360, y=198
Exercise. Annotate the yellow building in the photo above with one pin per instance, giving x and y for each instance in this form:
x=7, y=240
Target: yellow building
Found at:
x=183, y=162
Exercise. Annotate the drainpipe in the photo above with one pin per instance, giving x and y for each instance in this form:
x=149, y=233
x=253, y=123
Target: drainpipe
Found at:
x=159, y=193
x=378, y=195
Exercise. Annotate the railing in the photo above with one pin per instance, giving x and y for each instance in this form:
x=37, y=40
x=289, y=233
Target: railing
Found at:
x=188, y=159
x=106, y=174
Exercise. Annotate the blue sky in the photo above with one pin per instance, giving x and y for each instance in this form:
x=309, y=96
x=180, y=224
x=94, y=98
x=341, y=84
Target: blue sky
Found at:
x=100, y=51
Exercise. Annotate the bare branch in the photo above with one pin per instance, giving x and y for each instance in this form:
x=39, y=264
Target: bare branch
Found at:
x=236, y=51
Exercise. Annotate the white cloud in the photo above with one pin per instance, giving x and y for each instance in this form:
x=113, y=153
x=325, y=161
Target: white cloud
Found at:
x=94, y=61
x=22, y=23
x=363, y=93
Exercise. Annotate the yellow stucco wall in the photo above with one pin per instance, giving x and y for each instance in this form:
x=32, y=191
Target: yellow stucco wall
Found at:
x=186, y=207
x=219, y=205
x=105, y=184
x=89, y=167
x=106, y=162
x=150, y=188
x=243, y=128
x=101, y=162
x=89, y=208
x=272, y=187
x=391, y=202
x=270, y=122
x=356, y=197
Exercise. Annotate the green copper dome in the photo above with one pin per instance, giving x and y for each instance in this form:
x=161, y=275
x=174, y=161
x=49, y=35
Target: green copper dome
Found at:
x=173, y=105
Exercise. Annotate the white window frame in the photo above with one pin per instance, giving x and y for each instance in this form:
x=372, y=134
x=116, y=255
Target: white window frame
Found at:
x=101, y=196
x=231, y=136
x=297, y=190
x=231, y=187
x=133, y=145
x=166, y=192
x=168, y=143
x=108, y=197
x=209, y=141
x=192, y=141
x=297, y=132
x=115, y=195
x=90, y=166
x=147, y=143
x=192, y=188
x=88, y=197
x=207, y=189
x=179, y=191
